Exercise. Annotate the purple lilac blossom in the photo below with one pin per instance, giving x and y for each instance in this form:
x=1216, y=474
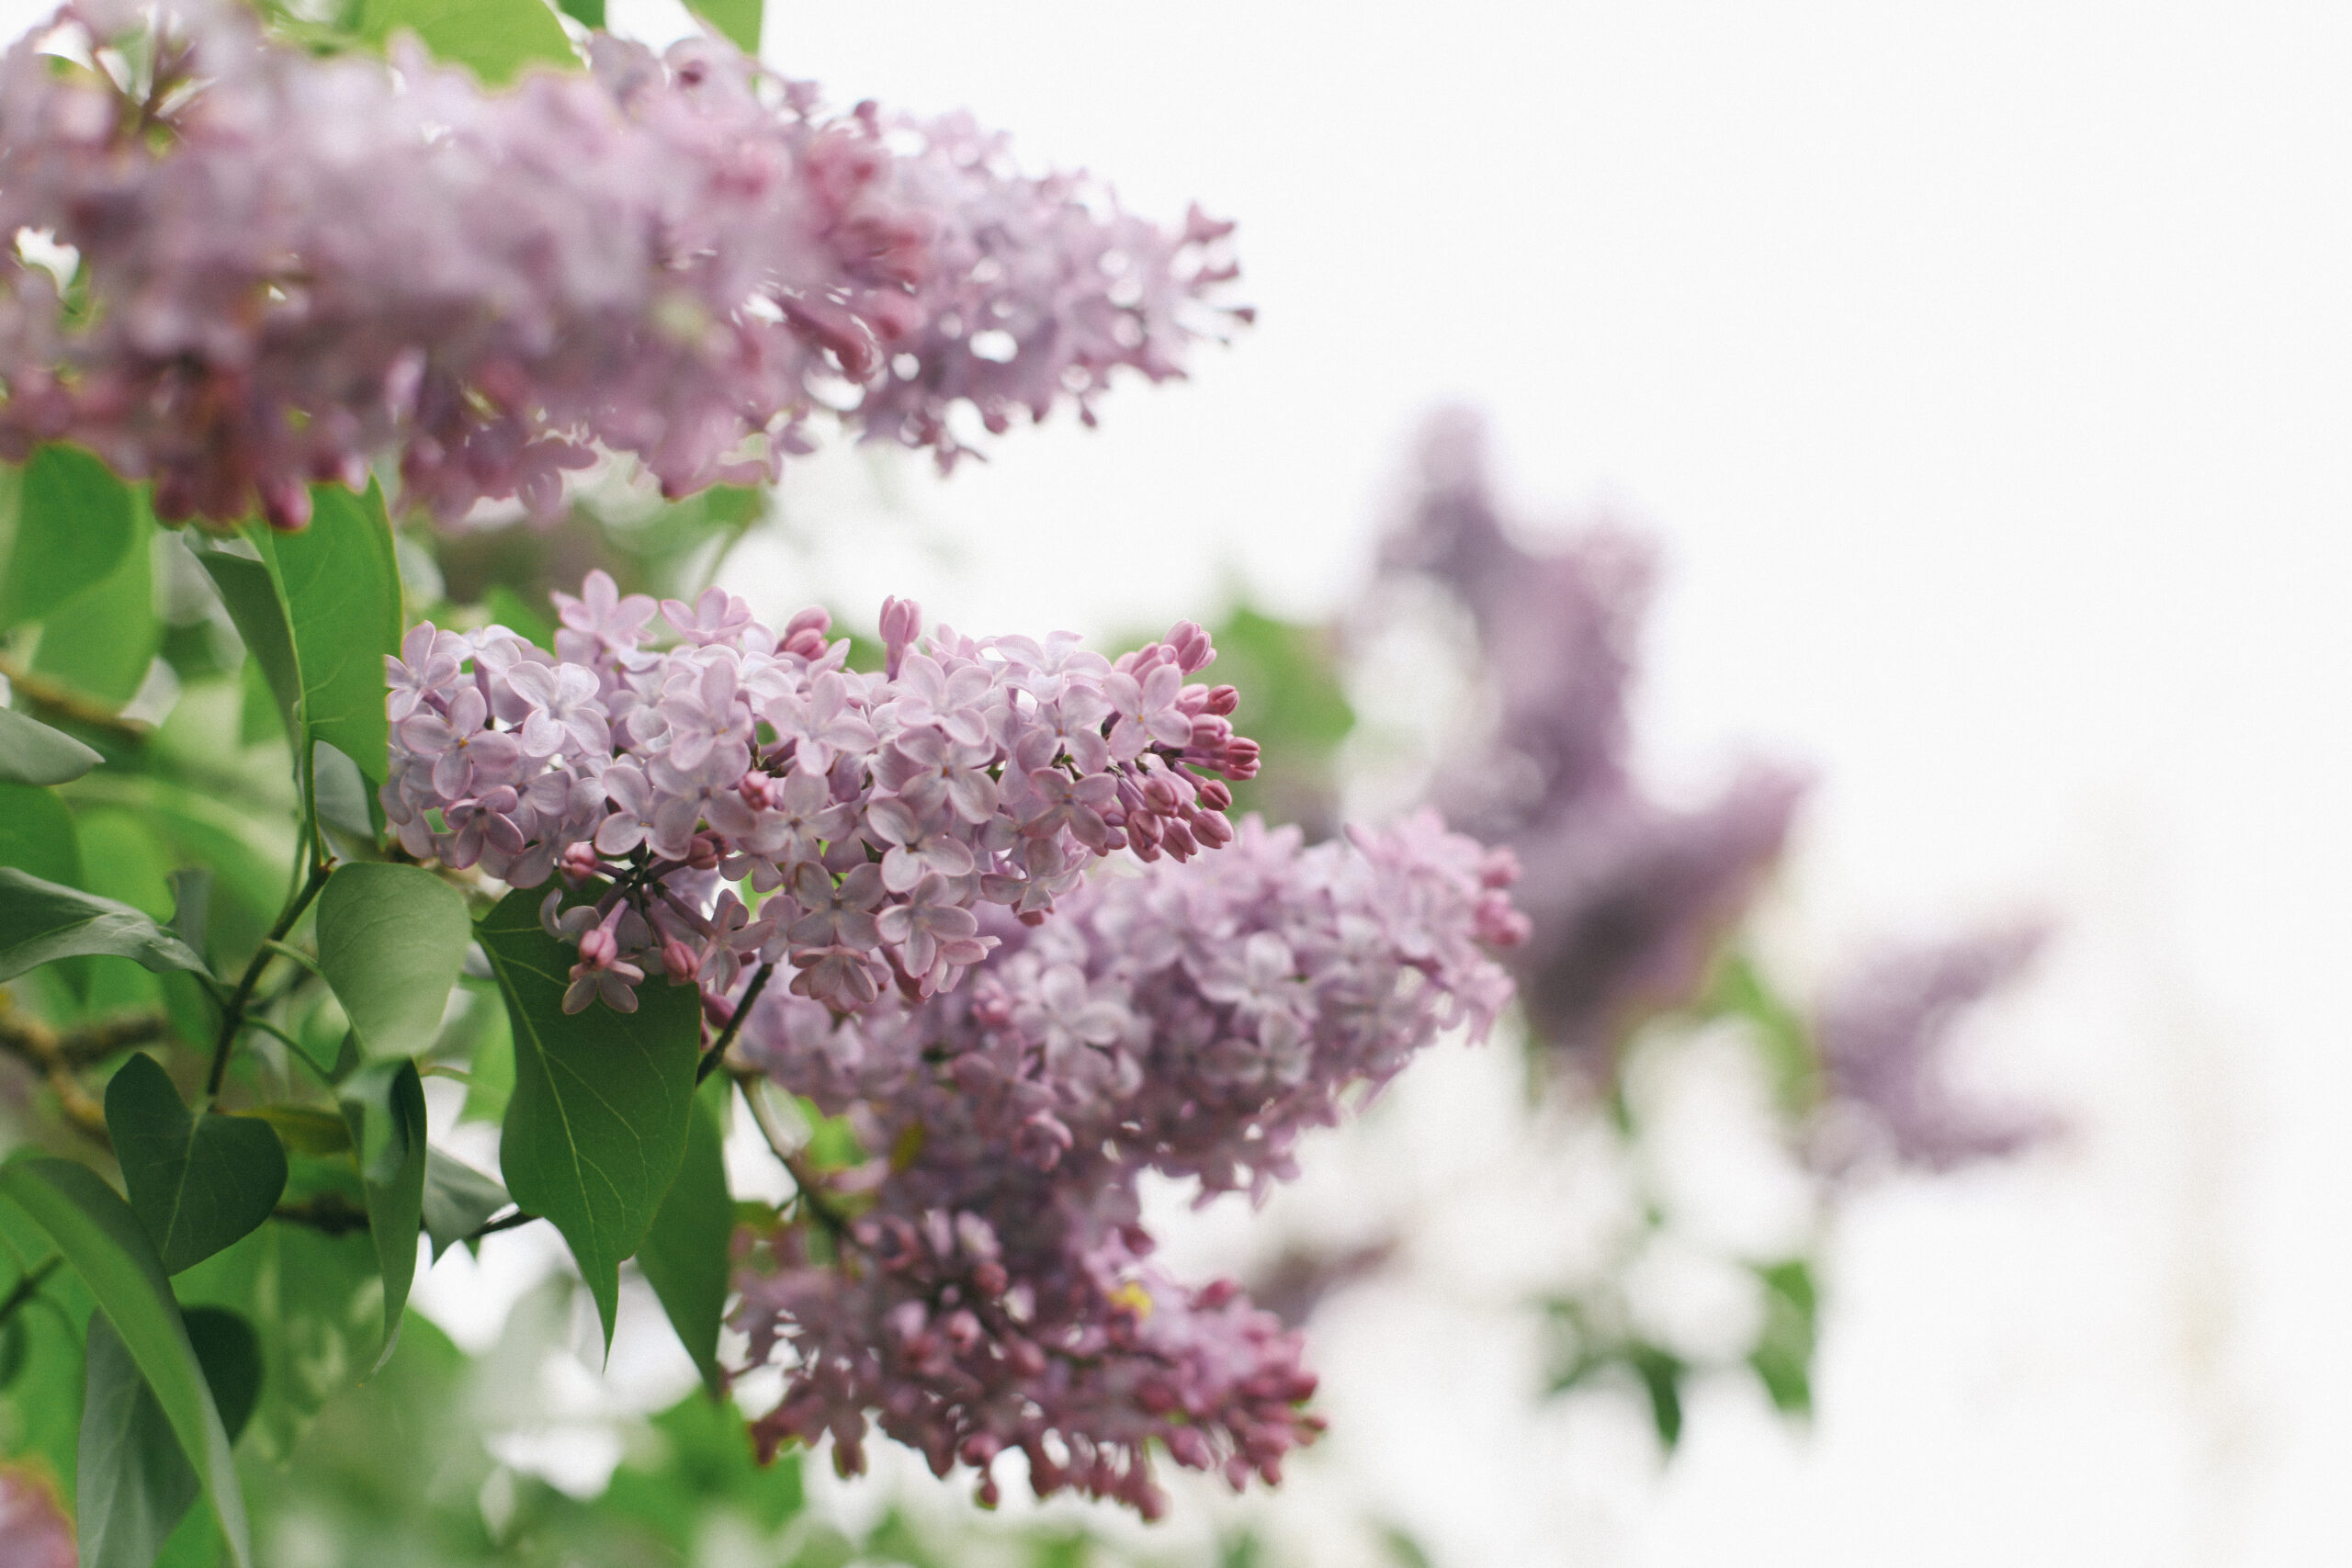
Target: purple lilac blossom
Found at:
x=873, y=812
x=1885, y=1032
x=1627, y=895
x=295, y=264
x=1193, y=1020
x=34, y=1529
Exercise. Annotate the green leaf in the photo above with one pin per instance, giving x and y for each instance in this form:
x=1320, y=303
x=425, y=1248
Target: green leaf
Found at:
x=384, y=1103
x=135, y=1482
x=102, y=1241
x=38, y=837
x=191, y=905
x=1662, y=1373
x=36, y=834
x=739, y=19
x=40, y=921
x=458, y=1200
x=229, y=1350
x=40, y=1408
x=588, y=14
x=342, y=794
x=1782, y=1359
x=597, y=1127
x=249, y=589
x=197, y=1183
x=392, y=941
x=341, y=584
x=687, y=1256
x=494, y=39
x=75, y=525
x=317, y=1301
x=33, y=754
x=1740, y=990
x=490, y=1036
x=104, y=640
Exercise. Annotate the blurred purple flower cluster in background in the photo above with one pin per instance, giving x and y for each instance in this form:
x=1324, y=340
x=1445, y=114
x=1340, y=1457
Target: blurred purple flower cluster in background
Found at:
x=1628, y=895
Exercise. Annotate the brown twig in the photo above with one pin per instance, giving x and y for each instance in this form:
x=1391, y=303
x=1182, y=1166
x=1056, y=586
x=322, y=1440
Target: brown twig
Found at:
x=94, y=1042
x=39, y=1045
x=66, y=703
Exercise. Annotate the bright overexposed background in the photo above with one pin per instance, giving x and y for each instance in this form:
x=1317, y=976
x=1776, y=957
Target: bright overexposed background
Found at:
x=1987, y=372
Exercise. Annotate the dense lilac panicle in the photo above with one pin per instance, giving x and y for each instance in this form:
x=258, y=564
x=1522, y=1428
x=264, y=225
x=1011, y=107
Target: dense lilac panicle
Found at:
x=1886, y=1033
x=295, y=266
x=873, y=811
x=1193, y=1020
x=1626, y=894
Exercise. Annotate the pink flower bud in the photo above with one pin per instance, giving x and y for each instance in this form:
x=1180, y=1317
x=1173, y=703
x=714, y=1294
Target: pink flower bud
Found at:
x=598, y=950
x=901, y=624
x=1191, y=646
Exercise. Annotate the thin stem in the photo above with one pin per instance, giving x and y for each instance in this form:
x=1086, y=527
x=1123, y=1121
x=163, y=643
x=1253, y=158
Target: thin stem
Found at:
x=717, y=1052
x=812, y=1195
x=287, y=949
x=26, y=1287
x=328, y=1213
x=504, y=1223
x=233, y=1017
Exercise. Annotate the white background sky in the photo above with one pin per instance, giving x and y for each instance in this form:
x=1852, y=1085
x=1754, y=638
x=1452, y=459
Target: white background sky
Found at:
x=1986, y=371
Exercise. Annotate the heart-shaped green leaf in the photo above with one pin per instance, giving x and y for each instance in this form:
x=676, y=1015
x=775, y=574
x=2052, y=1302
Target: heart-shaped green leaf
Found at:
x=40, y=921
x=384, y=1104
x=392, y=941
x=103, y=1243
x=31, y=752
x=197, y=1183
x=597, y=1125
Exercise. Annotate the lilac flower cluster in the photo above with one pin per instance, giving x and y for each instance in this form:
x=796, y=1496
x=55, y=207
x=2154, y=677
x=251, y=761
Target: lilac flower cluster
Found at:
x=1884, y=1033
x=292, y=264
x=873, y=811
x=35, y=1531
x=1193, y=1021
x=1627, y=893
